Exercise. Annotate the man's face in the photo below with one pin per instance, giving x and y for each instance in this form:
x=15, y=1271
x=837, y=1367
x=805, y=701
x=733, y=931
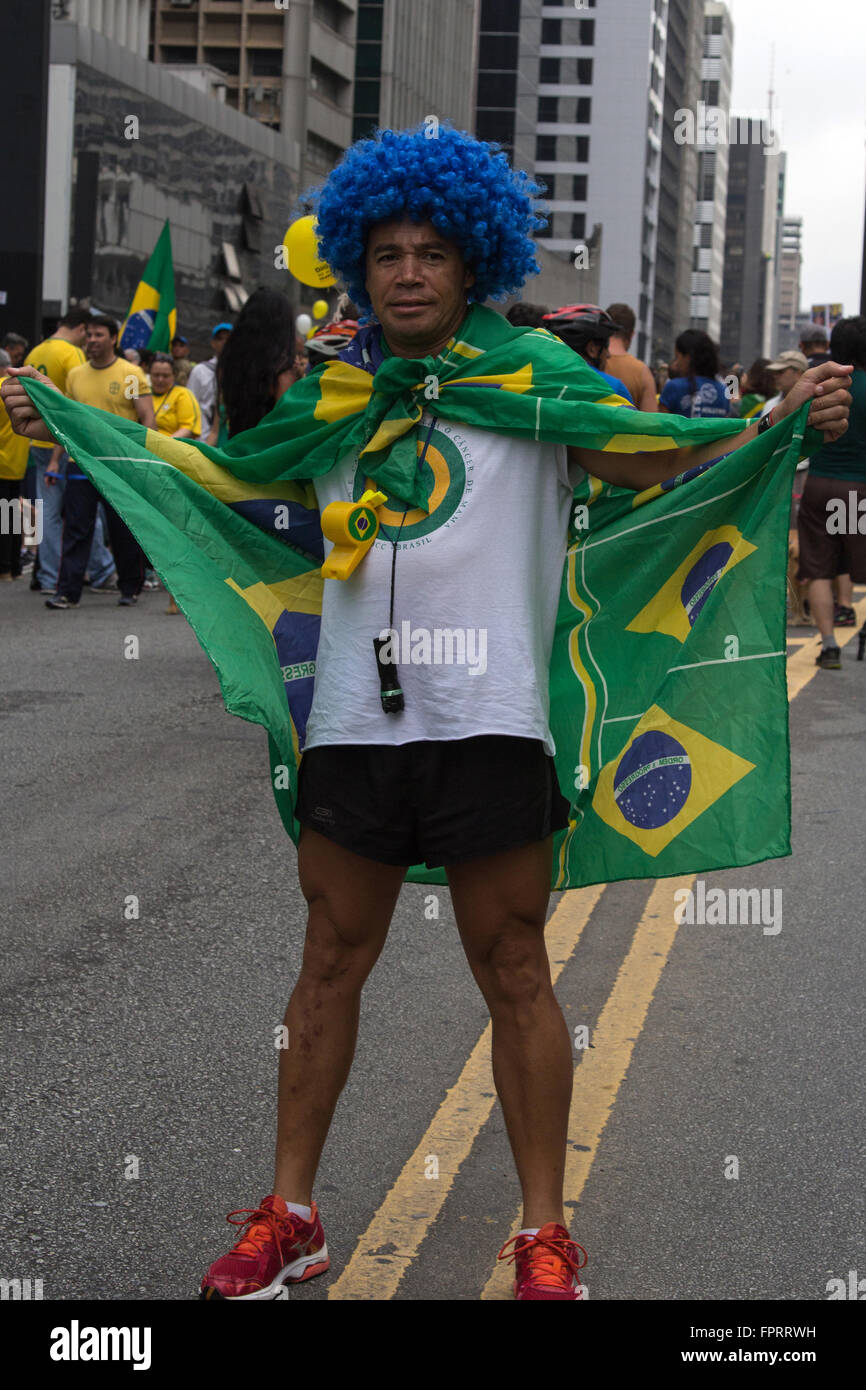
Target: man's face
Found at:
x=16, y=353
x=78, y=335
x=99, y=341
x=219, y=341
x=179, y=350
x=786, y=379
x=417, y=282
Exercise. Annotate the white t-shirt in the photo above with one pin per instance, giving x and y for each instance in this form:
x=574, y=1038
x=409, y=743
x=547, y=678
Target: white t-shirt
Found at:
x=477, y=580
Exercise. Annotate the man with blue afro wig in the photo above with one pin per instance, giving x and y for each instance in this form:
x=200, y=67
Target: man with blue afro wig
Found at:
x=448, y=758
x=452, y=443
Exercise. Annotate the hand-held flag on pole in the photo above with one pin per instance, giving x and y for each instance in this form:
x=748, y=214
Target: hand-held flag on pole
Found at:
x=152, y=319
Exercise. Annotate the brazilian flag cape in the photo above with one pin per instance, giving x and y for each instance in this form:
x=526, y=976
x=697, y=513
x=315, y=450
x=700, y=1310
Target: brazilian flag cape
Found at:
x=668, y=701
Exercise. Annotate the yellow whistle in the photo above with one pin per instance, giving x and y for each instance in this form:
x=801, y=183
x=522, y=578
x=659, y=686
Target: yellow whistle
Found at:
x=353, y=527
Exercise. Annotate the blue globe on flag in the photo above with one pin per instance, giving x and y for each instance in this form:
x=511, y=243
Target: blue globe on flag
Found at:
x=703, y=577
x=138, y=329
x=653, y=780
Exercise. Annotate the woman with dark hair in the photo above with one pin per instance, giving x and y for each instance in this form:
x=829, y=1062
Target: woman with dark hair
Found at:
x=694, y=388
x=260, y=361
x=757, y=389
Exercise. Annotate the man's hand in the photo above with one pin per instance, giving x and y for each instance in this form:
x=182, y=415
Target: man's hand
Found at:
x=23, y=415
x=827, y=387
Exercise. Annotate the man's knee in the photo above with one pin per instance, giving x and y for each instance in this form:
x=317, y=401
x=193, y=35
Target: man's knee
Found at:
x=513, y=971
x=335, y=956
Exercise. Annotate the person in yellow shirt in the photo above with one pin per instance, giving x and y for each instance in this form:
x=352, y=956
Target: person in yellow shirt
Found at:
x=55, y=357
x=13, y=465
x=175, y=409
x=110, y=383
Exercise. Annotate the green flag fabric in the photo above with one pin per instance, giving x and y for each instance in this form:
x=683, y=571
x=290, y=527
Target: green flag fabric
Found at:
x=668, y=701
x=152, y=319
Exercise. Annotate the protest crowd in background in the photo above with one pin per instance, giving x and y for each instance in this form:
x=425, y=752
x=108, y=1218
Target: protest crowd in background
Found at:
x=248, y=365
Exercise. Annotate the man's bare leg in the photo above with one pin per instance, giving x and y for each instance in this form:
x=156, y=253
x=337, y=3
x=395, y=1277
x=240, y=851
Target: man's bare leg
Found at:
x=351, y=901
x=500, y=902
x=821, y=605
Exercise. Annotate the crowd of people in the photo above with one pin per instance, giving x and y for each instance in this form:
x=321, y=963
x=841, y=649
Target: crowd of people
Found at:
x=84, y=544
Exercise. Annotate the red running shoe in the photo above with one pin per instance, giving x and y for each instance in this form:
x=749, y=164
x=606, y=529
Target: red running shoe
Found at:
x=546, y=1264
x=279, y=1247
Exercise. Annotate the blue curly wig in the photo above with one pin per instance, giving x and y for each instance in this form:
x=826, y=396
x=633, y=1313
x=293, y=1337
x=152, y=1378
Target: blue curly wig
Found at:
x=465, y=187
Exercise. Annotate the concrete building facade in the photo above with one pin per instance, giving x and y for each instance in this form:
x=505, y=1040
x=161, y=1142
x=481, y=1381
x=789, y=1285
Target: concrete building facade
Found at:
x=752, y=238
x=708, y=263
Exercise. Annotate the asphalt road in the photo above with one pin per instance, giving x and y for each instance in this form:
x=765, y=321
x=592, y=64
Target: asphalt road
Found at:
x=147, y=1044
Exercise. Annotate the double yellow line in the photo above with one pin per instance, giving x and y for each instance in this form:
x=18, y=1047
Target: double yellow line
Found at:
x=392, y=1240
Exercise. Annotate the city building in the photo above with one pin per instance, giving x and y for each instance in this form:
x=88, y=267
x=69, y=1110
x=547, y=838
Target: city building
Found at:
x=713, y=153
x=129, y=144
x=678, y=177
x=415, y=61
x=752, y=243
x=582, y=97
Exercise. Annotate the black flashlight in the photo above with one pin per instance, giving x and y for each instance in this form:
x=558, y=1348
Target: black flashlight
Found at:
x=389, y=682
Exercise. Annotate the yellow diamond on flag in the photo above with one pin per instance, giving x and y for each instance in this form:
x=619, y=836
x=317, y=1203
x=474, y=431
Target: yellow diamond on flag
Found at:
x=678, y=603
x=665, y=777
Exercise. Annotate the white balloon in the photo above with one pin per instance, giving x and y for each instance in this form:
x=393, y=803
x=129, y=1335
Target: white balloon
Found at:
x=303, y=323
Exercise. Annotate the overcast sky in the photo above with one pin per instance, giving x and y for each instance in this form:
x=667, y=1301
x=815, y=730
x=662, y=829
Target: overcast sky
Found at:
x=820, y=82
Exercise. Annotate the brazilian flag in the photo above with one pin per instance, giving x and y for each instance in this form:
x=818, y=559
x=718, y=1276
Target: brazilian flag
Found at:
x=668, y=701
x=152, y=319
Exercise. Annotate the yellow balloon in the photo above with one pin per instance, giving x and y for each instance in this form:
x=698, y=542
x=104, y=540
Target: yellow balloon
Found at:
x=302, y=249
x=320, y=308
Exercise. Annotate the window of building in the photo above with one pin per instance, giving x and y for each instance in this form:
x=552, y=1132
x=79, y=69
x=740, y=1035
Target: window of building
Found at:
x=265, y=62
x=548, y=70
x=583, y=110
x=551, y=31
x=497, y=89
x=581, y=149
x=578, y=224
x=498, y=51
x=584, y=72
x=711, y=93
x=172, y=53
x=322, y=153
x=495, y=125
x=587, y=32
x=226, y=59
x=578, y=188
x=367, y=98
x=332, y=14
x=713, y=24
x=549, y=181
x=545, y=147
x=548, y=108
x=369, y=22
x=501, y=16
x=327, y=84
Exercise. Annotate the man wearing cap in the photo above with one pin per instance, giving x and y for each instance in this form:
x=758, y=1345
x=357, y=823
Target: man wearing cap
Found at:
x=183, y=363
x=202, y=379
x=813, y=345
x=786, y=372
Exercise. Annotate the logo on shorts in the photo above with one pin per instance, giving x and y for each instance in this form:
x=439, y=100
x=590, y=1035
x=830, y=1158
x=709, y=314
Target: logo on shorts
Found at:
x=443, y=474
x=323, y=813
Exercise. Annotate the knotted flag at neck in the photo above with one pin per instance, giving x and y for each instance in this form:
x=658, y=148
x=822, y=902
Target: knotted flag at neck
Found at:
x=668, y=702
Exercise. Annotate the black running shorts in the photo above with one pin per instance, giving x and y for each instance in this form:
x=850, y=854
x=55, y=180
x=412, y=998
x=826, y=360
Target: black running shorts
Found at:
x=432, y=802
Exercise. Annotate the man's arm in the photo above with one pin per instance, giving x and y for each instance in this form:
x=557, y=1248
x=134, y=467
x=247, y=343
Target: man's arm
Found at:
x=826, y=386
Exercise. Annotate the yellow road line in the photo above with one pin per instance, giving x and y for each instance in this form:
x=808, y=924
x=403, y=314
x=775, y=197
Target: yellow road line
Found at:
x=601, y=1072
x=391, y=1241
